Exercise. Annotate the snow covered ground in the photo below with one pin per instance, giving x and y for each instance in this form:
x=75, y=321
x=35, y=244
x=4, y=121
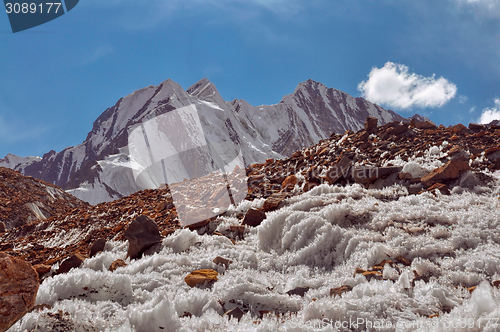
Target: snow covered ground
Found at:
x=317, y=240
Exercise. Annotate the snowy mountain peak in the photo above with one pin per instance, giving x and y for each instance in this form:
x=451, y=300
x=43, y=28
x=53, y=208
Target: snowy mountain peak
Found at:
x=99, y=169
x=205, y=90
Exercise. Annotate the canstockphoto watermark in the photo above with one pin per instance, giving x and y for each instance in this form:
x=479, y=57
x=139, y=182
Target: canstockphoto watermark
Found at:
x=374, y=324
x=27, y=14
x=351, y=323
x=202, y=166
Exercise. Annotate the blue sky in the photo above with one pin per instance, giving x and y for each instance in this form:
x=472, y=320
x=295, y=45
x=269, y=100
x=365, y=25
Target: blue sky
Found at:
x=438, y=58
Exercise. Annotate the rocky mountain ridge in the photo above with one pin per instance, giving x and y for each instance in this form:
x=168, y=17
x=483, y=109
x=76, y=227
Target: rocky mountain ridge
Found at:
x=99, y=169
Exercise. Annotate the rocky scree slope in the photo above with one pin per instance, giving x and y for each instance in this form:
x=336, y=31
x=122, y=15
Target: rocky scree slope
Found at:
x=99, y=170
x=297, y=248
x=417, y=156
x=24, y=199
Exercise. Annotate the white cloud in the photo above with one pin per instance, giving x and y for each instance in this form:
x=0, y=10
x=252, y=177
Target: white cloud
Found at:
x=490, y=114
x=484, y=7
x=393, y=85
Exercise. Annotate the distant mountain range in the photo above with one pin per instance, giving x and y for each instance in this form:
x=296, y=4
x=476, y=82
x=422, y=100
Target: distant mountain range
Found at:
x=100, y=170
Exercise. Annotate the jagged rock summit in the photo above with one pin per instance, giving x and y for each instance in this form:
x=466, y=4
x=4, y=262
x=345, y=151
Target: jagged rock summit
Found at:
x=99, y=169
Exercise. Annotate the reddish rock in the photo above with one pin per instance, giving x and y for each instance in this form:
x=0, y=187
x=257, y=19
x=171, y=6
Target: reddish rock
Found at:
x=141, y=234
x=458, y=128
x=450, y=171
x=309, y=185
x=198, y=224
x=96, y=247
x=399, y=129
x=6, y=247
x=253, y=218
x=366, y=175
x=200, y=277
x=222, y=261
x=441, y=187
x=491, y=150
x=237, y=228
x=405, y=176
x=425, y=125
x=274, y=201
x=2, y=227
x=74, y=261
x=474, y=127
x=18, y=288
x=403, y=260
x=339, y=170
x=289, y=182
x=42, y=269
x=369, y=275
x=116, y=264
x=164, y=206
x=340, y=290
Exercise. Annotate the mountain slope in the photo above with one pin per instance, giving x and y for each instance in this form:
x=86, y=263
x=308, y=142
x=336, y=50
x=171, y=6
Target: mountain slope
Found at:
x=100, y=170
x=24, y=199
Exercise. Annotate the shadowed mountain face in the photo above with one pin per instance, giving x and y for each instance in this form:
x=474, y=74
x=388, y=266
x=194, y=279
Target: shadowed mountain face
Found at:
x=100, y=169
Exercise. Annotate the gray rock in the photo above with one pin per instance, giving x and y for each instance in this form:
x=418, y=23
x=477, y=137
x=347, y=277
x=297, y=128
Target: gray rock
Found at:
x=141, y=234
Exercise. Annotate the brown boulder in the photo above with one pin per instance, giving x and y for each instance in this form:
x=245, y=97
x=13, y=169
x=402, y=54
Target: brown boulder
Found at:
x=366, y=175
x=96, y=247
x=71, y=262
x=459, y=128
x=441, y=187
x=450, y=171
x=274, y=201
x=141, y=234
x=339, y=170
x=164, y=206
x=340, y=290
x=399, y=129
x=18, y=288
x=289, y=182
x=476, y=128
x=2, y=227
x=116, y=264
x=199, y=277
x=372, y=275
x=222, y=261
x=253, y=218
x=41, y=269
x=425, y=125
x=371, y=125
